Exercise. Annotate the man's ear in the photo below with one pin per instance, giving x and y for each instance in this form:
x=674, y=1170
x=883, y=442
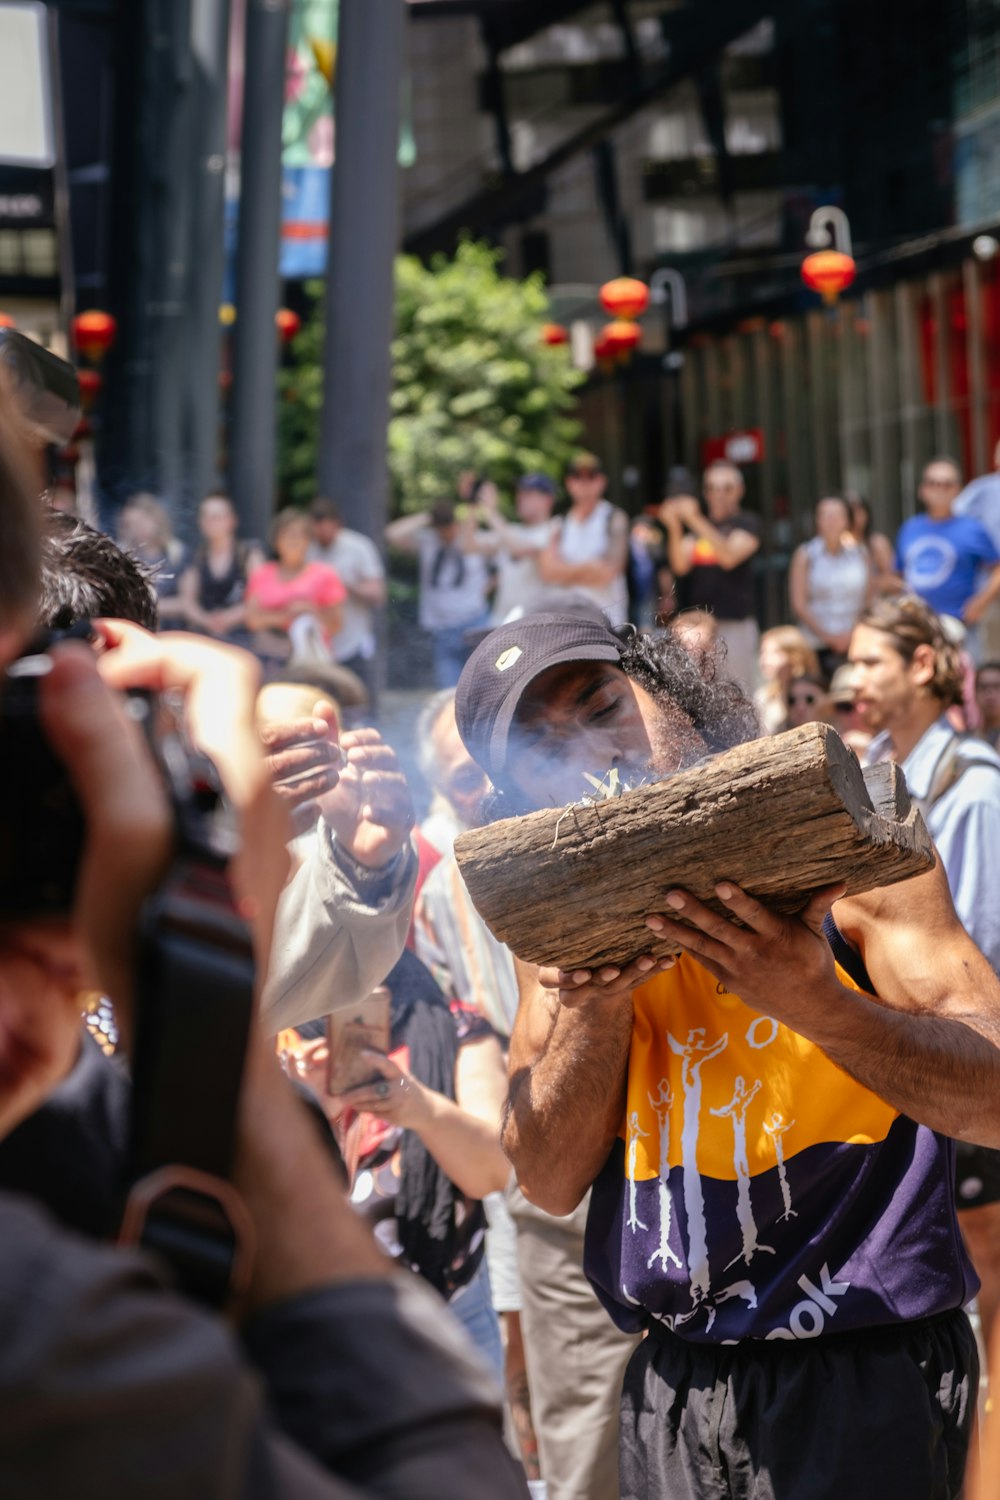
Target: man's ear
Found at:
x=922, y=666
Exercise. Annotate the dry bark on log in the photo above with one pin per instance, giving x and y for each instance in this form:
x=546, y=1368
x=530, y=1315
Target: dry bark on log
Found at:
x=779, y=816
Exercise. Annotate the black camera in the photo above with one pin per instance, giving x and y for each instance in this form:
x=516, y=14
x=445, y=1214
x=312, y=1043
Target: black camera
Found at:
x=45, y=387
x=41, y=825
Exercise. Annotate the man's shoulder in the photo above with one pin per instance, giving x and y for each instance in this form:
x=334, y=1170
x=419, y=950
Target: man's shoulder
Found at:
x=355, y=542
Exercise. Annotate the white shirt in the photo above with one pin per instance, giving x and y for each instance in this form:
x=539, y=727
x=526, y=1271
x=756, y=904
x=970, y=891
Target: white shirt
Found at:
x=457, y=596
x=582, y=541
x=355, y=559
x=518, y=583
x=836, y=584
x=964, y=823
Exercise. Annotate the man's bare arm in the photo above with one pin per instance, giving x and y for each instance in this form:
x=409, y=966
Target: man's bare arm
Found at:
x=568, y=1058
x=599, y=572
x=929, y=1045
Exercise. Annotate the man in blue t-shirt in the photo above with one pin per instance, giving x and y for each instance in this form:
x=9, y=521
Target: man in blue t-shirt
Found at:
x=941, y=555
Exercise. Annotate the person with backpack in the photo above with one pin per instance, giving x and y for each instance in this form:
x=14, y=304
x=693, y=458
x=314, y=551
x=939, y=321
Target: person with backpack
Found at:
x=908, y=674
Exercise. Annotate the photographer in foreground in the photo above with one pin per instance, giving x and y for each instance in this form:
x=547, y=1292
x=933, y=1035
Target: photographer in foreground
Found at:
x=109, y=1383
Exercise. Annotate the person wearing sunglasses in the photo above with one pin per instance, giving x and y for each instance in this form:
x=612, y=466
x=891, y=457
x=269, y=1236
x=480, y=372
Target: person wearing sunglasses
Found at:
x=943, y=556
x=589, y=553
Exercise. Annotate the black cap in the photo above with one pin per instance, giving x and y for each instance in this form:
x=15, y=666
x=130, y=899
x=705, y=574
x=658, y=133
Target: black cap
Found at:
x=503, y=666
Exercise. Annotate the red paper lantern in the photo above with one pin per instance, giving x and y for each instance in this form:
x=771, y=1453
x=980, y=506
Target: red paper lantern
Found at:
x=621, y=337
x=625, y=297
x=287, y=323
x=94, y=333
x=6, y=321
x=603, y=353
x=829, y=272
x=554, y=334
x=91, y=382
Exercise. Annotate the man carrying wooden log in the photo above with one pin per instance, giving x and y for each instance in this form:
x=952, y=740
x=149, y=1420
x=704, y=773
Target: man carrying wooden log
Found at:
x=768, y=1144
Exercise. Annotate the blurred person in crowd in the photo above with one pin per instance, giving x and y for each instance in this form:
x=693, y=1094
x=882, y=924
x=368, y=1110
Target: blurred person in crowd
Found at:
x=806, y=702
x=550, y=1312
x=294, y=606
x=941, y=554
x=698, y=629
x=908, y=674
x=144, y=529
x=448, y=934
x=988, y=699
x=213, y=586
x=588, y=553
x=454, y=581
x=422, y=1138
x=847, y=718
x=802, y=1200
x=784, y=654
x=980, y=500
x=829, y=583
x=881, y=553
x=357, y=563
x=715, y=554
x=516, y=546
x=96, y=1345
x=62, y=496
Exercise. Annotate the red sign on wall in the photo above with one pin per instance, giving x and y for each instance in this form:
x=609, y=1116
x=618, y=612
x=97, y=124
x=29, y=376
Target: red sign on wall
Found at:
x=746, y=447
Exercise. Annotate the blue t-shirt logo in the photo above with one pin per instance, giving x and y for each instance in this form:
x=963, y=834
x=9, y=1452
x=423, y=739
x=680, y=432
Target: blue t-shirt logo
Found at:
x=940, y=560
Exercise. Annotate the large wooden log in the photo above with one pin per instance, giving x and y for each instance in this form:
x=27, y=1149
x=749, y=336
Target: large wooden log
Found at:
x=779, y=816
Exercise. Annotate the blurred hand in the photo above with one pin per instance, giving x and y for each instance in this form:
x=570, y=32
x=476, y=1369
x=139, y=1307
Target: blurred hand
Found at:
x=974, y=609
x=686, y=508
x=370, y=810
x=398, y=1098
x=219, y=684
x=303, y=759
x=44, y=965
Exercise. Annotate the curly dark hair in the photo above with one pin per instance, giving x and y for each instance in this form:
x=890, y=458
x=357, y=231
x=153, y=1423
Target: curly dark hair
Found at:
x=718, y=707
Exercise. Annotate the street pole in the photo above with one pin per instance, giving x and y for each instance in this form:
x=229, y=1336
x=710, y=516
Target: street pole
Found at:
x=210, y=51
x=255, y=349
x=364, y=233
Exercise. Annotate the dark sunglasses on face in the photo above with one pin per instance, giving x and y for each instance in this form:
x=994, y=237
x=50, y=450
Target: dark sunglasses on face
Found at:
x=583, y=474
x=799, y=700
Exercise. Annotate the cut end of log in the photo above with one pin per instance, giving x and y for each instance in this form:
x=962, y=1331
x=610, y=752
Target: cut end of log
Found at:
x=779, y=817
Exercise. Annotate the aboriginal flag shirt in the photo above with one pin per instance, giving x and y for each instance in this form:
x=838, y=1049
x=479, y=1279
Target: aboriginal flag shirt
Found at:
x=756, y=1191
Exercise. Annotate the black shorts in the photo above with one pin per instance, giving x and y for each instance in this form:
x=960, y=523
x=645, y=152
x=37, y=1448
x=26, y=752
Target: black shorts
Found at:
x=977, y=1176
x=878, y=1415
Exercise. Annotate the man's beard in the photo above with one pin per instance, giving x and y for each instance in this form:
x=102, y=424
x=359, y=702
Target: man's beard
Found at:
x=675, y=745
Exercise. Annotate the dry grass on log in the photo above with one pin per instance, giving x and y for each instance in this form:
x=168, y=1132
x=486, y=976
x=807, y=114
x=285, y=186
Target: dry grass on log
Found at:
x=779, y=816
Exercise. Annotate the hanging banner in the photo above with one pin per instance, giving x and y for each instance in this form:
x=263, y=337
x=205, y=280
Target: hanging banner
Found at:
x=308, y=139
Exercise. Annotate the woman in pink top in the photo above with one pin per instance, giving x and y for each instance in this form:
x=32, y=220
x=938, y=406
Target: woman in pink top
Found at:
x=291, y=589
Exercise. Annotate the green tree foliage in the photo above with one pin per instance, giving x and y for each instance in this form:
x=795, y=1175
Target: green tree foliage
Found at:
x=474, y=387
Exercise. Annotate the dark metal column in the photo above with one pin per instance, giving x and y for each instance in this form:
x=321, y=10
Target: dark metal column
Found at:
x=255, y=360
x=210, y=50
x=364, y=230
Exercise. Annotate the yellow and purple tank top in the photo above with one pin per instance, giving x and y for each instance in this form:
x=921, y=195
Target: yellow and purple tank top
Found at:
x=757, y=1191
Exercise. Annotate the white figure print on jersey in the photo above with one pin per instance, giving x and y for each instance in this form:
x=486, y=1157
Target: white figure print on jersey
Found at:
x=695, y=1052
x=736, y=1110
x=661, y=1106
x=776, y=1127
x=632, y=1138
